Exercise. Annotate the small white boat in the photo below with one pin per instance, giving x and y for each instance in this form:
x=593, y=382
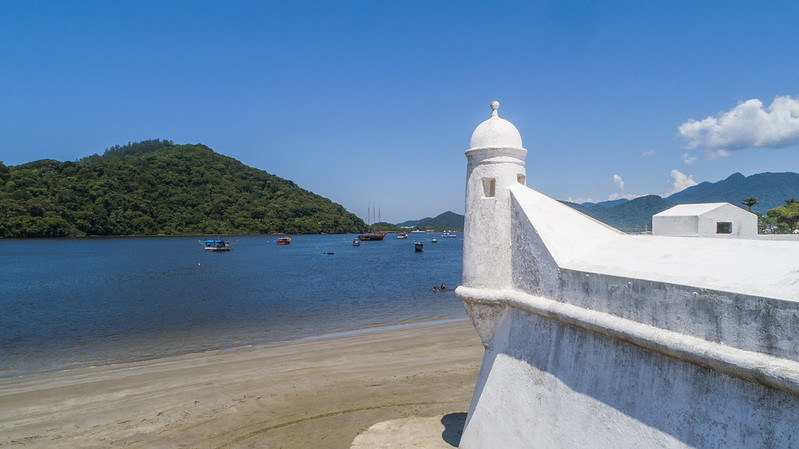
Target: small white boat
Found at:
x=356, y=242
x=448, y=235
x=402, y=235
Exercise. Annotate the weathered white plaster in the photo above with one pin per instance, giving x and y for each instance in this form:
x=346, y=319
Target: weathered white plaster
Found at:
x=754, y=267
x=775, y=372
x=495, y=162
x=595, y=338
x=547, y=384
x=700, y=220
x=495, y=132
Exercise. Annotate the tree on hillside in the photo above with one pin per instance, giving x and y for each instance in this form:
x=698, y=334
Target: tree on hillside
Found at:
x=749, y=202
x=4, y=173
x=786, y=216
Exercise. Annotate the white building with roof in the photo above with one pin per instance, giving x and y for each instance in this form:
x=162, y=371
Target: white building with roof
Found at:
x=599, y=339
x=705, y=220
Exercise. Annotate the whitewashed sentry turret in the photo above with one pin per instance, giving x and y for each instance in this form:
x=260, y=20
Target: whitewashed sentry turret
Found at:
x=495, y=162
x=599, y=339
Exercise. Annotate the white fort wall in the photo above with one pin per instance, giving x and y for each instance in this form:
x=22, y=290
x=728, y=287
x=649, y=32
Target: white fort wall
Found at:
x=603, y=340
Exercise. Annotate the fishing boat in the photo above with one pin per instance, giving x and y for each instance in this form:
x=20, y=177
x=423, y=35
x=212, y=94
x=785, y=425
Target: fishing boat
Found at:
x=418, y=247
x=356, y=242
x=284, y=241
x=435, y=240
x=402, y=235
x=214, y=245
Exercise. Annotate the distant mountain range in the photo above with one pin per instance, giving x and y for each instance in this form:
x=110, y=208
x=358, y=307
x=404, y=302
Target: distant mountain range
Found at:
x=770, y=189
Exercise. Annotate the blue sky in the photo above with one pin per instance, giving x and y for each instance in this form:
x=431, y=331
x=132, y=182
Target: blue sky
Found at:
x=374, y=102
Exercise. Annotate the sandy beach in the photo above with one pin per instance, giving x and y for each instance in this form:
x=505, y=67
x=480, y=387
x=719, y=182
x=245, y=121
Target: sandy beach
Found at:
x=315, y=393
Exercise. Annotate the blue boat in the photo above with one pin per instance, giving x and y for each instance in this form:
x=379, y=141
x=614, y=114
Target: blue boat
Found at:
x=216, y=245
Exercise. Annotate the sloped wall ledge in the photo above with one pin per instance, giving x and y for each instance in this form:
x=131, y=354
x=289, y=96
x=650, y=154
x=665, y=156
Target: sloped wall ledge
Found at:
x=774, y=372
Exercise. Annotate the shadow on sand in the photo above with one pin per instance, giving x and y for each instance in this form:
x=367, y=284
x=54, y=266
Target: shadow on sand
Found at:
x=453, y=428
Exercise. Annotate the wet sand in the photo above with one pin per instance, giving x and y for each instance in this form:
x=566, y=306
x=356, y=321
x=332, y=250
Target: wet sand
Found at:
x=316, y=393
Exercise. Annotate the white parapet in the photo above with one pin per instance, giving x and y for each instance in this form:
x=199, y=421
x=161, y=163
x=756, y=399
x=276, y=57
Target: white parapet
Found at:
x=597, y=339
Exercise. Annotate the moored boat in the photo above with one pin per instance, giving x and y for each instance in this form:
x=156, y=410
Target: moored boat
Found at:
x=356, y=242
x=448, y=235
x=418, y=247
x=402, y=235
x=284, y=241
x=214, y=245
x=372, y=236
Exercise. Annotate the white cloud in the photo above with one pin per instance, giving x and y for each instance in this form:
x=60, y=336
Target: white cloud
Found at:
x=719, y=153
x=688, y=159
x=580, y=200
x=679, y=182
x=619, y=193
x=618, y=182
x=747, y=125
x=648, y=153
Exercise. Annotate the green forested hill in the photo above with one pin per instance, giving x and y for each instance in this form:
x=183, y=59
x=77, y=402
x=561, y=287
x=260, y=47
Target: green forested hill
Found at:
x=633, y=215
x=447, y=221
x=156, y=187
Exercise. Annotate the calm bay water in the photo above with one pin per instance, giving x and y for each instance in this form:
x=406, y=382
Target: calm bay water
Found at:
x=76, y=302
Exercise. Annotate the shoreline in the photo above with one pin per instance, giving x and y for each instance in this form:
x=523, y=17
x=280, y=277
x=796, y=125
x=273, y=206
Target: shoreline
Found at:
x=379, y=328
x=324, y=336
x=146, y=236
x=296, y=394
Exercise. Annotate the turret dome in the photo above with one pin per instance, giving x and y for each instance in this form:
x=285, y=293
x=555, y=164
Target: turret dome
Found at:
x=495, y=133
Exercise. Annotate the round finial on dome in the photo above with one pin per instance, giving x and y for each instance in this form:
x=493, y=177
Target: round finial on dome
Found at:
x=495, y=132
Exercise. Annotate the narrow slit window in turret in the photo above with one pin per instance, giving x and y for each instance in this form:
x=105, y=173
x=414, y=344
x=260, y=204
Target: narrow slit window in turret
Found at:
x=488, y=187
